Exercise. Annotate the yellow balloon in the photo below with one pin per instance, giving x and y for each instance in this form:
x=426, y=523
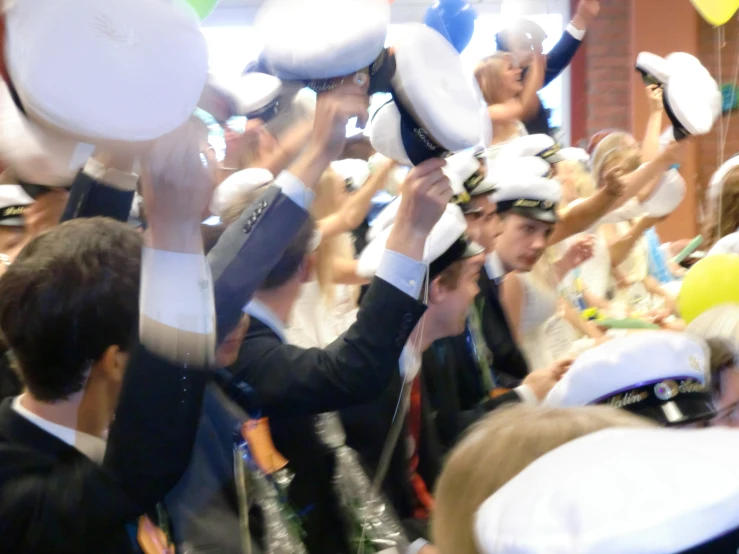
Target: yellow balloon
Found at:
x=709, y=283
x=716, y=12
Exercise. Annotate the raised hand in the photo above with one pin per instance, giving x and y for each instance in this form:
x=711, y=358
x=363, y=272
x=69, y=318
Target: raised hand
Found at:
x=654, y=96
x=542, y=381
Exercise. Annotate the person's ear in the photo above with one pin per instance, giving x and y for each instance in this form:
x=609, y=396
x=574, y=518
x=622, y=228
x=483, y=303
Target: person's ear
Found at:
x=437, y=292
x=113, y=363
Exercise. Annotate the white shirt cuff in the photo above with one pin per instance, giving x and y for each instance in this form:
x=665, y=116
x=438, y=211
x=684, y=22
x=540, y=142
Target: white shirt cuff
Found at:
x=113, y=178
x=576, y=33
x=416, y=546
x=404, y=273
x=177, y=291
x=526, y=395
x=295, y=190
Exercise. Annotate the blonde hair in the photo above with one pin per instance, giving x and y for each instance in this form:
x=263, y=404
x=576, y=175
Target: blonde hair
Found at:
x=614, y=148
x=724, y=209
x=583, y=179
x=489, y=75
x=498, y=448
x=325, y=204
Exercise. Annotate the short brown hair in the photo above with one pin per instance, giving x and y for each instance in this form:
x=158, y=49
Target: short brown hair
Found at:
x=71, y=294
x=496, y=450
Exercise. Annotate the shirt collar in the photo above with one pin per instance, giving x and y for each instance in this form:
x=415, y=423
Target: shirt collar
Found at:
x=264, y=313
x=494, y=267
x=89, y=445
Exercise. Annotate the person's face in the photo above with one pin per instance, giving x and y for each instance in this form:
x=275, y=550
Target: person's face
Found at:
x=228, y=351
x=522, y=241
x=483, y=225
x=511, y=77
x=452, y=305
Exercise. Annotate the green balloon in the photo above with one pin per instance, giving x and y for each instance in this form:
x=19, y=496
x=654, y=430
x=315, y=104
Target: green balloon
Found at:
x=203, y=7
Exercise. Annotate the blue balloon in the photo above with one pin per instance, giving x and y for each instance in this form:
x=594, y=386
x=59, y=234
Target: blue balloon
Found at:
x=454, y=19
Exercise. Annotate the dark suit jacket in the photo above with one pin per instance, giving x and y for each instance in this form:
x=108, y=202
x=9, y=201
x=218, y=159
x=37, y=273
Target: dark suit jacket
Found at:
x=289, y=384
x=509, y=363
x=53, y=499
x=89, y=198
x=456, y=394
x=443, y=418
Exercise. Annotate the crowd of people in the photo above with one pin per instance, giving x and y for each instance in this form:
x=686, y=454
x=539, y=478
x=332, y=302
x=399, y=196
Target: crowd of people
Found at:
x=379, y=344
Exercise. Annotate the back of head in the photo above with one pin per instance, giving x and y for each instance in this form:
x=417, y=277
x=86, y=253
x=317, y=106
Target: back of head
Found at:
x=489, y=75
x=496, y=450
x=71, y=294
x=582, y=178
x=616, y=141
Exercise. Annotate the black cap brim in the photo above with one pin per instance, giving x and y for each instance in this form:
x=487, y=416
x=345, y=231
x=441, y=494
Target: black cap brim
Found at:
x=681, y=410
x=545, y=216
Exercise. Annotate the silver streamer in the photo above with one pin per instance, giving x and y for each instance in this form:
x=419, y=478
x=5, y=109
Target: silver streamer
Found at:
x=269, y=492
x=375, y=528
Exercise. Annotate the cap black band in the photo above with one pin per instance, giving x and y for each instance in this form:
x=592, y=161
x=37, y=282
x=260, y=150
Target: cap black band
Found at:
x=268, y=112
x=527, y=204
x=549, y=153
x=648, y=78
x=656, y=394
x=725, y=544
x=12, y=211
x=380, y=73
x=418, y=144
x=679, y=129
x=454, y=253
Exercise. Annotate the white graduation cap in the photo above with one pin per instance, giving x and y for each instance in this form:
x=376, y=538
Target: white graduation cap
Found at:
x=322, y=39
x=354, y=172
x=437, y=105
x=717, y=179
x=651, y=491
x=692, y=98
x=662, y=375
x=667, y=196
x=254, y=95
x=13, y=203
x=118, y=70
x=540, y=145
x=521, y=190
x=571, y=153
x=37, y=156
x=236, y=186
x=655, y=70
x=446, y=244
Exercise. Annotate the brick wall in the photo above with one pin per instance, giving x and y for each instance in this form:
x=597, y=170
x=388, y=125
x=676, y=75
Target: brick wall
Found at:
x=609, y=68
x=709, y=145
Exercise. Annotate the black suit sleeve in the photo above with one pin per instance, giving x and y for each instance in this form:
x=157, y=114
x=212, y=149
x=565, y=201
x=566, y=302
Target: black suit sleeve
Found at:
x=90, y=198
x=356, y=368
x=66, y=503
x=560, y=56
x=248, y=250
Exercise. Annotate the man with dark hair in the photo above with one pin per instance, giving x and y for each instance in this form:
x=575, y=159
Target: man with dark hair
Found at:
x=289, y=384
x=58, y=336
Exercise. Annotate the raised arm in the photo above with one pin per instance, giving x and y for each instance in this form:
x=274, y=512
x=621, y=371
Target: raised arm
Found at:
x=650, y=144
x=526, y=105
x=357, y=367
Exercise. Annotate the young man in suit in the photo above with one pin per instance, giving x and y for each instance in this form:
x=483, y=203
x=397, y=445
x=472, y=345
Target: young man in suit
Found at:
x=288, y=383
x=525, y=38
x=68, y=310
x=454, y=265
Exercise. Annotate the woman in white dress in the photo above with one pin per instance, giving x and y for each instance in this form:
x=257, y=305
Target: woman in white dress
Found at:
x=509, y=99
x=327, y=305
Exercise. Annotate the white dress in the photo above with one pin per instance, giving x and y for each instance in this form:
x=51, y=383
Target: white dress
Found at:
x=545, y=335
x=313, y=323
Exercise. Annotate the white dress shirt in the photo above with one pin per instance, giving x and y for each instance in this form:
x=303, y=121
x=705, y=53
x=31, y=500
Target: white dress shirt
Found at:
x=89, y=445
x=494, y=267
